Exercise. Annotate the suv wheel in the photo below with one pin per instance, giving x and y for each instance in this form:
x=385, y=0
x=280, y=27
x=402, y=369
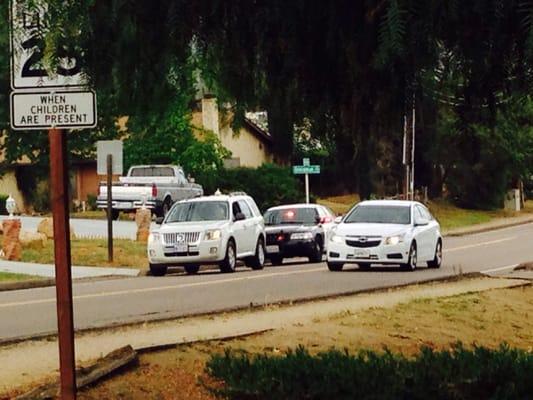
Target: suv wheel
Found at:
x=192, y=269
x=230, y=261
x=258, y=260
x=158, y=270
x=335, y=266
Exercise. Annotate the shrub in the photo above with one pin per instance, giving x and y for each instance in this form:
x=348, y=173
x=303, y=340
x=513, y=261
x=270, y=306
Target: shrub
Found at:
x=91, y=202
x=41, y=197
x=3, y=198
x=457, y=374
x=269, y=184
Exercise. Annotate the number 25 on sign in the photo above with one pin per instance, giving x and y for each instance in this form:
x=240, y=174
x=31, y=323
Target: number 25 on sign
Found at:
x=27, y=47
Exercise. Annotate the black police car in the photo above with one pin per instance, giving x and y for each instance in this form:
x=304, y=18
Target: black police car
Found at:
x=298, y=230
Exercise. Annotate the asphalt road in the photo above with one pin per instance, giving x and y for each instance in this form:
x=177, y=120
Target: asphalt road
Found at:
x=117, y=301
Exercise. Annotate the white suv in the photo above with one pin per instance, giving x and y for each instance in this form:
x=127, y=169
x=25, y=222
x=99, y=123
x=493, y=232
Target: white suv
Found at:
x=209, y=230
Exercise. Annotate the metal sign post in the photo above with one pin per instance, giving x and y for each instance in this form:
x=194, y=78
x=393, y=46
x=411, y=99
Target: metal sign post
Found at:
x=306, y=169
x=65, y=316
x=109, y=160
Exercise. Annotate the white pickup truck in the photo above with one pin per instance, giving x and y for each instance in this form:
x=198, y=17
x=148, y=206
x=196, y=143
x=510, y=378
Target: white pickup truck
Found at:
x=155, y=186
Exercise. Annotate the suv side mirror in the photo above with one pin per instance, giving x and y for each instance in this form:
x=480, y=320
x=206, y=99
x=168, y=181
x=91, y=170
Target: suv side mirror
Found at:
x=338, y=219
x=239, y=217
x=159, y=220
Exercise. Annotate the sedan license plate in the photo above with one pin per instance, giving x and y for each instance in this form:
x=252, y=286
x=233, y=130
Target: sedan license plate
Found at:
x=181, y=247
x=273, y=249
x=362, y=254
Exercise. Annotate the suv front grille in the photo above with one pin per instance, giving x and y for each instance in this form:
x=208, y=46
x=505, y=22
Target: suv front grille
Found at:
x=363, y=242
x=182, y=237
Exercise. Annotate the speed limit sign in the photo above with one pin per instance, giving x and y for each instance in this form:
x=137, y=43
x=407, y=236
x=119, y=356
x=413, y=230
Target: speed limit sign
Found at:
x=27, y=51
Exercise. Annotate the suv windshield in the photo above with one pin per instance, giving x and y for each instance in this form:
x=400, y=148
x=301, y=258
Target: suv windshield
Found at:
x=380, y=215
x=199, y=211
x=306, y=216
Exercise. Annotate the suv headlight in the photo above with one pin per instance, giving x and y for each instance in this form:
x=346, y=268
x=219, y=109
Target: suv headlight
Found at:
x=212, y=234
x=154, y=237
x=392, y=240
x=301, y=236
x=337, y=239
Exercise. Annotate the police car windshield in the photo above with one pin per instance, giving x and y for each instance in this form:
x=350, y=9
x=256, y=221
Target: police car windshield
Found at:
x=303, y=216
x=199, y=211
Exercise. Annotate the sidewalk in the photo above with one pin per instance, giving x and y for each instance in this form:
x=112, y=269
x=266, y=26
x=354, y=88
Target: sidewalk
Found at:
x=497, y=223
x=48, y=270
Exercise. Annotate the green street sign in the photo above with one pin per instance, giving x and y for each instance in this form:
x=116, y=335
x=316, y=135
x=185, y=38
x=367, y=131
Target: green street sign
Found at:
x=305, y=169
x=306, y=162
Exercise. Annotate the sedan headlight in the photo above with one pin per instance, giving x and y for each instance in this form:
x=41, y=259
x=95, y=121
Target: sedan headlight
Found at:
x=302, y=236
x=337, y=239
x=213, y=234
x=154, y=237
x=392, y=240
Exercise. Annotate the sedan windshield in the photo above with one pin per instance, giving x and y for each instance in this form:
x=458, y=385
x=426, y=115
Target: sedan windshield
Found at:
x=305, y=216
x=199, y=211
x=380, y=215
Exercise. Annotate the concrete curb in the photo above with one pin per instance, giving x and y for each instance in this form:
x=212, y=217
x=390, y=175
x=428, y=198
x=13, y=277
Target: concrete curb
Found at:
x=30, y=284
x=482, y=229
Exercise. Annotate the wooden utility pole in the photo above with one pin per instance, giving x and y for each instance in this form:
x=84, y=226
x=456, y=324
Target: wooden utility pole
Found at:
x=60, y=210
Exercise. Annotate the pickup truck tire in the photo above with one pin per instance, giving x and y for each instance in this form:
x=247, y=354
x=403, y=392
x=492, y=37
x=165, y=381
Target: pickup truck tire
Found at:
x=257, y=261
x=229, y=262
x=158, y=270
x=165, y=208
x=192, y=269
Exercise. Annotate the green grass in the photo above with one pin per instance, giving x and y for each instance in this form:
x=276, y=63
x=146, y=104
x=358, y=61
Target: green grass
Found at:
x=8, y=277
x=89, y=252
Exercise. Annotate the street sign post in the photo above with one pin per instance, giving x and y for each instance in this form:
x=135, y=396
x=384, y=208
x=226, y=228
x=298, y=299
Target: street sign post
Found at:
x=56, y=100
x=109, y=162
x=306, y=169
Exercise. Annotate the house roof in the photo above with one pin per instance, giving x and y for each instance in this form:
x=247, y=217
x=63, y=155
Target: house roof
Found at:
x=260, y=132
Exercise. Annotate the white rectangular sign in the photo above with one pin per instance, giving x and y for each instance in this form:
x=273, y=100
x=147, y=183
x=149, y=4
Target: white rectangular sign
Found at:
x=27, y=51
x=44, y=110
x=103, y=149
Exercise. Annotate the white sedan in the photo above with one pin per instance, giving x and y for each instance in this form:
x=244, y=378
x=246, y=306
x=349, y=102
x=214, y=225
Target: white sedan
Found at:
x=386, y=232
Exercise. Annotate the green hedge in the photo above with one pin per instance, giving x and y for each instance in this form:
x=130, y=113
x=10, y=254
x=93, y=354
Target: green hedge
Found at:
x=457, y=374
x=269, y=185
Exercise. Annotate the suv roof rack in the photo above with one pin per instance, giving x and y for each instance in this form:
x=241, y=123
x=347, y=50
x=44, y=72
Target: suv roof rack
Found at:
x=241, y=193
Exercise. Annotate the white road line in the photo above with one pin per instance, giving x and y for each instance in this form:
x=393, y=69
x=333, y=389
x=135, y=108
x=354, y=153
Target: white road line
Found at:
x=479, y=244
x=499, y=269
x=162, y=288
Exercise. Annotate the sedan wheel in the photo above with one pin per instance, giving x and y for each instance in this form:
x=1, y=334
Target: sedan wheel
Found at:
x=437, y=260
x=411, y=262
x=333, y=266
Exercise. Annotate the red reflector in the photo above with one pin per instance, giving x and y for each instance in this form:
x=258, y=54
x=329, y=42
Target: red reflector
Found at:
x=154, y=190
x=325, y=220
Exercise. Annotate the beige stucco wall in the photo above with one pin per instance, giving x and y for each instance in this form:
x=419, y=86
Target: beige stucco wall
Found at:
x=251, y=151
x=8, y=186
x=246, y=147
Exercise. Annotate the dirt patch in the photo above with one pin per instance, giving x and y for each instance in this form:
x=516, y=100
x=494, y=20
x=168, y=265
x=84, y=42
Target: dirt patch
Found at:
x=484, y=319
